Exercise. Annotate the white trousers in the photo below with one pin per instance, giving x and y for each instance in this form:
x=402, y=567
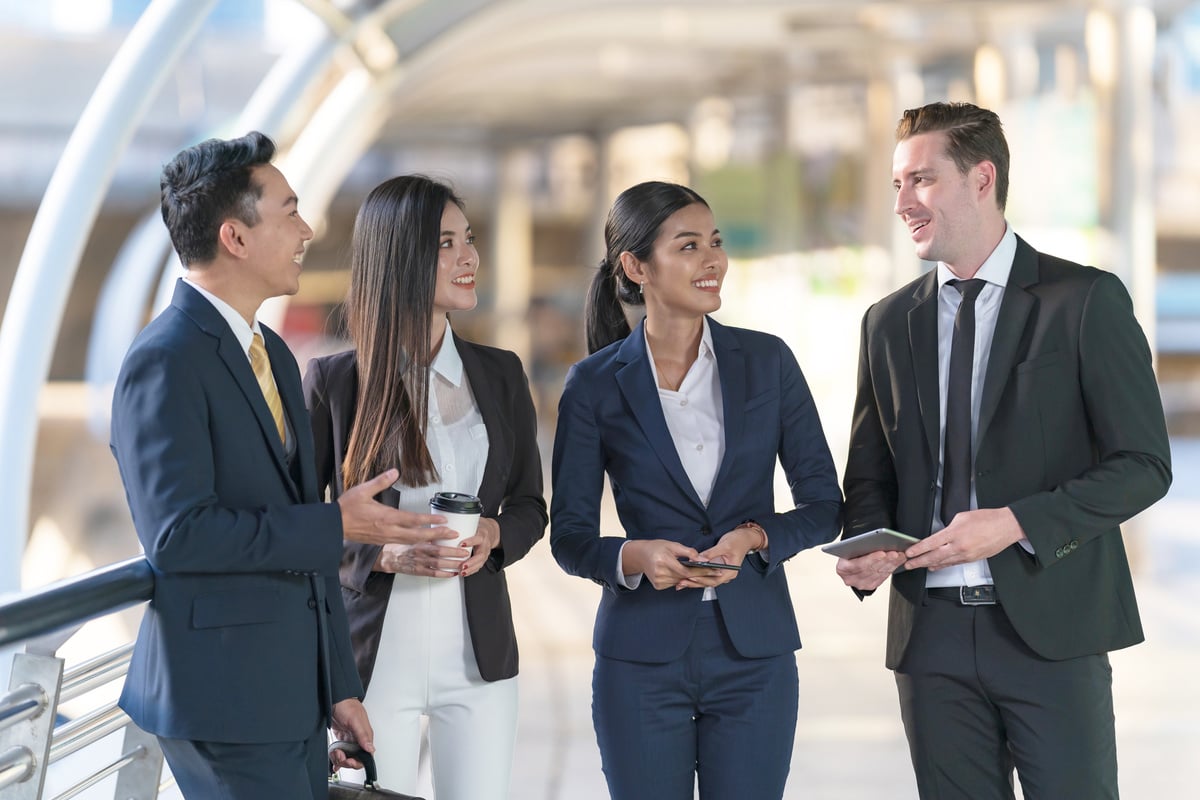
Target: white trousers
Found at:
x=426, y=667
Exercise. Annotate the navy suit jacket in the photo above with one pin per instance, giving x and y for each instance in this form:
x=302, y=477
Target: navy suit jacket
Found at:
x=611, y=421
x=245, y=639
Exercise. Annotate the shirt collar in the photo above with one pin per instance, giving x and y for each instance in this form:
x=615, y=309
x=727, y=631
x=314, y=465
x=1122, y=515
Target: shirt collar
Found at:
x=237, y=323
x=447, y=362
x=996, y=268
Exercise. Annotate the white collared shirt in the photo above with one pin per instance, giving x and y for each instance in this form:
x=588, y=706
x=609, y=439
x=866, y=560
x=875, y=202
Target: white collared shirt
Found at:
x=455, y=434
x=995, y=271
x=245, y=336
x=695, y=417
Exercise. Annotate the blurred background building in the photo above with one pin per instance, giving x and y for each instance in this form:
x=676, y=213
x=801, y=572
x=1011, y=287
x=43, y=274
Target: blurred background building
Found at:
x=540, y=111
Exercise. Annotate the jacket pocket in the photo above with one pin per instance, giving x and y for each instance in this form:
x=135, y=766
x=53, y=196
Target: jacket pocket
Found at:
x=248, y=607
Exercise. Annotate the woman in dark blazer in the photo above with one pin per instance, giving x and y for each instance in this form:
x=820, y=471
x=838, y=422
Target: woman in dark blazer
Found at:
x=695, y=672
x=431, y=625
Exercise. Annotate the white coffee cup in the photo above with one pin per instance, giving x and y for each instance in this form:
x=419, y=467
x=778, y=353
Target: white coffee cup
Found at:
x=462, y=513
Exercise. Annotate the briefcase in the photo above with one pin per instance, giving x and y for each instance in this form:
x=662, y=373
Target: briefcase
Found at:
x=343, y=790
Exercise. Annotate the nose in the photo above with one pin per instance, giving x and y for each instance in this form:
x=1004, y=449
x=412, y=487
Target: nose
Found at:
x=306, y=232
x=903, y=201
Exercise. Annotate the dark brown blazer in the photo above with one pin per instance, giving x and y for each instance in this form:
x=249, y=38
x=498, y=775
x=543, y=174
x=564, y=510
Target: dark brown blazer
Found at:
x=511, y=493
x=1071, y=437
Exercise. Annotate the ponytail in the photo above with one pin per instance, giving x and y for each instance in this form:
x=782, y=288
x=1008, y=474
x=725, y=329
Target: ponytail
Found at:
x=604, y=318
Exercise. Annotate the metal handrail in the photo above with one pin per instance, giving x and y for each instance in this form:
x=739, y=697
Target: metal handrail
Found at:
x=75, y=600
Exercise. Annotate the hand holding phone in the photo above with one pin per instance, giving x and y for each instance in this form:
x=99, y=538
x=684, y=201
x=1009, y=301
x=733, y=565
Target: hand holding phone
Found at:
x=708, y=564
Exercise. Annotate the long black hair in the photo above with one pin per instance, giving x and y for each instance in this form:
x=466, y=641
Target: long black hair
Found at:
x=389, y=311
x=632, y=226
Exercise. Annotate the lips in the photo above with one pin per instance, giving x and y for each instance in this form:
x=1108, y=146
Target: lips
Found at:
x=464, y=281
x=707, y=284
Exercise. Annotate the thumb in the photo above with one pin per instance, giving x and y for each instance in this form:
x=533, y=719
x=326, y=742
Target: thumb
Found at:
x=380, y=482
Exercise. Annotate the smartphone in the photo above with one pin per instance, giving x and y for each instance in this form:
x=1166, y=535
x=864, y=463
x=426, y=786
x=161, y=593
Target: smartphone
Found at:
x=713, y=564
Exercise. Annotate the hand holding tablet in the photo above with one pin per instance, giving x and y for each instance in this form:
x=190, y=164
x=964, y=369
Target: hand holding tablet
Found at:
x=870, y=542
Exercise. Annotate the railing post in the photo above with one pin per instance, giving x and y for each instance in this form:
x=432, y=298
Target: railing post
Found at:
x=139, y=779
x=32, y=730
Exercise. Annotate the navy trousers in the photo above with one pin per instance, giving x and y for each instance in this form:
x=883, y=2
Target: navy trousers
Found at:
x=710, y=715
x=273, y=771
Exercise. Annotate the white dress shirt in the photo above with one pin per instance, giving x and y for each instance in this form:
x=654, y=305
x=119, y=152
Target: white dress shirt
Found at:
x=455, y=434
x=696, y=421
x=995, y=271
x=245, y=335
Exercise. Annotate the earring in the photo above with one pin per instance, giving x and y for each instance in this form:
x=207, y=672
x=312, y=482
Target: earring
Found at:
x=642, y=287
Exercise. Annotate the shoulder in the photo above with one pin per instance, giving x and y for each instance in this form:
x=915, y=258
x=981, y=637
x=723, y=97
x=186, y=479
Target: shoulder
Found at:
x=494, y=359
x=336, y=365
x=330, y=374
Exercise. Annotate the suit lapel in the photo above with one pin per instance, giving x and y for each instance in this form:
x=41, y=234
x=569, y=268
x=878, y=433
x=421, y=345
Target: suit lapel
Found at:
x=1015, y=308
x=209, y=320
x=731, y=370
x=636, y=382
x=499, y=432
x=288, y=383
x=922, y=338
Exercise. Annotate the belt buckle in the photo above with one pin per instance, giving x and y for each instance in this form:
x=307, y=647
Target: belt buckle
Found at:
x=977, y=595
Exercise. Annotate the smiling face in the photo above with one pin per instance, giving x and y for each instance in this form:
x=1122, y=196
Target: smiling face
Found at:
x=458, y=261
x=687, y=265
x=275, y=245
x=951, y=217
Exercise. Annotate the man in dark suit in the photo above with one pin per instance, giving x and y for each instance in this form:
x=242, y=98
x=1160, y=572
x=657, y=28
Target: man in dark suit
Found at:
x=1007, y=414
x=243, y=657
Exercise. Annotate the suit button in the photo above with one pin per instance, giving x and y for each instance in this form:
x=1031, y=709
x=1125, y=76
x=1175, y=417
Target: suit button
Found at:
x=1074, y=544
x=312, y=603
x=1059, y=552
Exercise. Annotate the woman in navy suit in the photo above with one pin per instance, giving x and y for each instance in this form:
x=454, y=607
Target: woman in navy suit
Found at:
x=431, y=625
x=695, y=672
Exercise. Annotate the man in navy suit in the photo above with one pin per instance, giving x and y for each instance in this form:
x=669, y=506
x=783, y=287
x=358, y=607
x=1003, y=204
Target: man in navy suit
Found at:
x=243, y=657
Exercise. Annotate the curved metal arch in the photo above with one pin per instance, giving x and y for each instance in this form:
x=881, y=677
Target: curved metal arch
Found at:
x=51, y=257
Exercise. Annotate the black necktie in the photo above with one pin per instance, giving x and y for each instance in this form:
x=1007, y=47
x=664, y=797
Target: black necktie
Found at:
x=956, y=456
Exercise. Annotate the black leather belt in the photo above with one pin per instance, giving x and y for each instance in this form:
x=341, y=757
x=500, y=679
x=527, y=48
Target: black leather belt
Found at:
x=965, y=595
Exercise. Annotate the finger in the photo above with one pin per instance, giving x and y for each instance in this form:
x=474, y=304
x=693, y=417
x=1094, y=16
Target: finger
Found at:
x=377, y=484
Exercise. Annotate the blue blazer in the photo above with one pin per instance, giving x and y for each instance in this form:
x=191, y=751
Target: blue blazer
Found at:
x=610, y=420
x=245, y=639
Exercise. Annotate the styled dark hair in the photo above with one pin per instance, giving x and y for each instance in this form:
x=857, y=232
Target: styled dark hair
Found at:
x=633, y=225
x=389, y=312
x=207, y=184
x=973, y=134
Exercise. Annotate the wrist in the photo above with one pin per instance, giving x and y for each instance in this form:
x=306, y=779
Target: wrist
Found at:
x=758, y=532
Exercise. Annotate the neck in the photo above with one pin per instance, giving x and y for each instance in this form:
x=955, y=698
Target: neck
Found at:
x=674, y=339
x=437, y=333
x=990, y=235
x=215, y=282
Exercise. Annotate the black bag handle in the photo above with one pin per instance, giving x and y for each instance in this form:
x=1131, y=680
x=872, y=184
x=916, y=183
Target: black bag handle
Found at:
x=368, y=761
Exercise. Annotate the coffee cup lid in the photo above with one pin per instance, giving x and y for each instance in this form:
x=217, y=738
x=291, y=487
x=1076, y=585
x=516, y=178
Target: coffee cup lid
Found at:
x=456, y=503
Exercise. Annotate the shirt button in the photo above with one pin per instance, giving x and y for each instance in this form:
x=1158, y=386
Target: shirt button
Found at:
x=683, y=402
x=699, y=447
x=435, y=420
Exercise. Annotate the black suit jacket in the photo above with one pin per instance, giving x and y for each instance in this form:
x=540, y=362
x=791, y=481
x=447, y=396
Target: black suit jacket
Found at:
x=511, y=493
x=237, y=644
x=1071, y=437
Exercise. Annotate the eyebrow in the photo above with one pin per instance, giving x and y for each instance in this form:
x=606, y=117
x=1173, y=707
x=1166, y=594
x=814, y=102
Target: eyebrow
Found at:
x=451, y=233
x=291, y=200
x=685, y=234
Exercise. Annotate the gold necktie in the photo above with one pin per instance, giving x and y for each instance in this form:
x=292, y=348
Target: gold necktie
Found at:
x=266, y=381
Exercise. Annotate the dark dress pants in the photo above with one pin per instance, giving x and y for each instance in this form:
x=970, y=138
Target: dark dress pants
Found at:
x=711, y=714
x=272, y=771
x=976, y=701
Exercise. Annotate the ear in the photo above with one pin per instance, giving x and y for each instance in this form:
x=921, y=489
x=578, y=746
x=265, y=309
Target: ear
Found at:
x=634, y=270
x=984, y=176
x=230, y=236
